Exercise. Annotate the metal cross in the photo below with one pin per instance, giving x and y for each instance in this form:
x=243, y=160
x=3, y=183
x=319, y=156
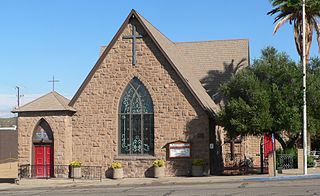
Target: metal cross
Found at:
x=53, y=81
x=134, y=38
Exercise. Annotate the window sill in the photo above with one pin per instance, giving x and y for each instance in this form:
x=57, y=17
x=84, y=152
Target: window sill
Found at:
x=133, y=158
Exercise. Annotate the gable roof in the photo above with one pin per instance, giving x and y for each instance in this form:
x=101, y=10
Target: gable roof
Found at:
x=174, y=54
x=52, y=101
x=214, y=62
x=206, y=56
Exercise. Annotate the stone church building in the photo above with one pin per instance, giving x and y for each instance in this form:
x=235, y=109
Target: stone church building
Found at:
x=144, y=93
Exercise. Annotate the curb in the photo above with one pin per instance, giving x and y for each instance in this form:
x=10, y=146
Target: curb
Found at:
x=294, y=177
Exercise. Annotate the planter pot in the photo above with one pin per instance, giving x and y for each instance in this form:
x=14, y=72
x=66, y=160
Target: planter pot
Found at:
x=197, y=170
x=75, y=172
x=158, y=172
x=117, y=173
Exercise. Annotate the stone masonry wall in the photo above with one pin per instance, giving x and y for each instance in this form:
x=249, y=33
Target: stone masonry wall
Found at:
x=252, y=149
x=61, y=126
x=177, y=115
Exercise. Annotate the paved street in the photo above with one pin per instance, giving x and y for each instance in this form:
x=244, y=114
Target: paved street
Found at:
x=288, y=187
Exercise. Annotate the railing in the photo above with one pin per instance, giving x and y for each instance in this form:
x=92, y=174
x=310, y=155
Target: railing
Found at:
x=286, y=161
x=91, y=172
x=315, y=154
x=58, y=171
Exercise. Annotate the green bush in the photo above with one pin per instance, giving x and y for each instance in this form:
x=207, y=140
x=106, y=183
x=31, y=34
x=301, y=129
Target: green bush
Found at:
x=310, y=161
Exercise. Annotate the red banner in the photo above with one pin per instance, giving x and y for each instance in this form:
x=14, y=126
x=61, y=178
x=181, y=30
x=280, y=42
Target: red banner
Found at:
x=267, y=140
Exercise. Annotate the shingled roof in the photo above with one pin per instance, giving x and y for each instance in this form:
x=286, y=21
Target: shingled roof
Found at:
x=186, y=59
x=52, y=101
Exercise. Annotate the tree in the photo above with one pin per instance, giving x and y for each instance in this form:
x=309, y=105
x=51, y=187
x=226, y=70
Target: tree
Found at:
x=267, y=98
x=291, y=11
x=313, y=101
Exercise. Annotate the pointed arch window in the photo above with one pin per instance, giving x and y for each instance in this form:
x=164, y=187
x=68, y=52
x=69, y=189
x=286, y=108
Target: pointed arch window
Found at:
x=42, y=133
x=136, y=120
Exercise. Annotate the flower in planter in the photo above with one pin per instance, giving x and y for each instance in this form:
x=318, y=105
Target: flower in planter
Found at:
x=117, y=170
x=75, y=164
x=116, y=165
x=158, y=163
x=197, y=167
x=197, y=162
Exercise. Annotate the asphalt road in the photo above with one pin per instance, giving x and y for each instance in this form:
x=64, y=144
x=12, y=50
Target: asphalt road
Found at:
x=292, y=187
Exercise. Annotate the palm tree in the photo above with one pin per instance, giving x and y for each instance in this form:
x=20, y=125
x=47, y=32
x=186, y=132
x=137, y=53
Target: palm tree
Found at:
x=291, y=11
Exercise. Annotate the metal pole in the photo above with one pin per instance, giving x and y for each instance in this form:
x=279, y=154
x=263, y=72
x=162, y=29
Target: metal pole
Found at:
x=261, y=155
x=304, y=89
x=274, y=155
x=18, y=96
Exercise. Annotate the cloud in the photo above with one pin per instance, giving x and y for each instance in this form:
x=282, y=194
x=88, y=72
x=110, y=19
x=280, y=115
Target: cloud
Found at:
x=9, y=101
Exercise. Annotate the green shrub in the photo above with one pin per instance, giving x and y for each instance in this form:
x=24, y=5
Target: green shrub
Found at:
x=158, y=163
x=197, y=162
x=310, y=161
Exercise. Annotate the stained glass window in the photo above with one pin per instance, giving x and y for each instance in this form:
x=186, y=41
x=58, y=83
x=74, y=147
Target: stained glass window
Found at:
x=136, y=120
x=42, y=132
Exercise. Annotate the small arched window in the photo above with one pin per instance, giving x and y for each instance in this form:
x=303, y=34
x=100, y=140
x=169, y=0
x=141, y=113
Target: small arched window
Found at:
x=42, y=133
x=136, y=125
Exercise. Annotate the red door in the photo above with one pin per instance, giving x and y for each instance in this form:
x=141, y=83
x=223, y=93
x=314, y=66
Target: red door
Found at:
x=43, y=160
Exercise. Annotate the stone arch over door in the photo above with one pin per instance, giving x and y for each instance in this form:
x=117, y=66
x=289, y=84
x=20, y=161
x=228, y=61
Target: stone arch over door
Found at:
x=42, y=150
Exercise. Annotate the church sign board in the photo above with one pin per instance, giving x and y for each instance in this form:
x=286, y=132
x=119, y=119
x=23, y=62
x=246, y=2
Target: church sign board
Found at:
x=179, y=149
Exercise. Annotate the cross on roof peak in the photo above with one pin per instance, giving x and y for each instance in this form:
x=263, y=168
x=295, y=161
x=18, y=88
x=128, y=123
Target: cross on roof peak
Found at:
x=53, y=81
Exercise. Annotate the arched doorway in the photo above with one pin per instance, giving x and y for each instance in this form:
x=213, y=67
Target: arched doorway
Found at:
x=42, y=140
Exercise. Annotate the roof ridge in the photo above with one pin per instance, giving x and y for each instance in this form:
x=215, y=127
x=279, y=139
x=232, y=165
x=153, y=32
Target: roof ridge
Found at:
x=204, y=41
x=169, y=51
x=175, y=58
x=51, y=101
x=58, y=96
x=154, y=27
x=32, y=101
x=100, y=59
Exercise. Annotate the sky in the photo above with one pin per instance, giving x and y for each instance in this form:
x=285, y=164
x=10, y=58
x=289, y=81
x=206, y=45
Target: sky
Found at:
x=41, y=39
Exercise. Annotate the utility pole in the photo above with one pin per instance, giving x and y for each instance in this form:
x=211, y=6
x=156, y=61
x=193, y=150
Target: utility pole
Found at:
x=305, y=171
x=18, y=96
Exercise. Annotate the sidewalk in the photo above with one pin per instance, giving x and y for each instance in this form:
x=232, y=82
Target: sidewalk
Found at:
x=54, y=182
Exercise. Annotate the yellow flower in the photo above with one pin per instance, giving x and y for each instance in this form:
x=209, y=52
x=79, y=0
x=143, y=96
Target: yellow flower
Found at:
x=158, y=163
x=75, y=164
x=116, y=165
